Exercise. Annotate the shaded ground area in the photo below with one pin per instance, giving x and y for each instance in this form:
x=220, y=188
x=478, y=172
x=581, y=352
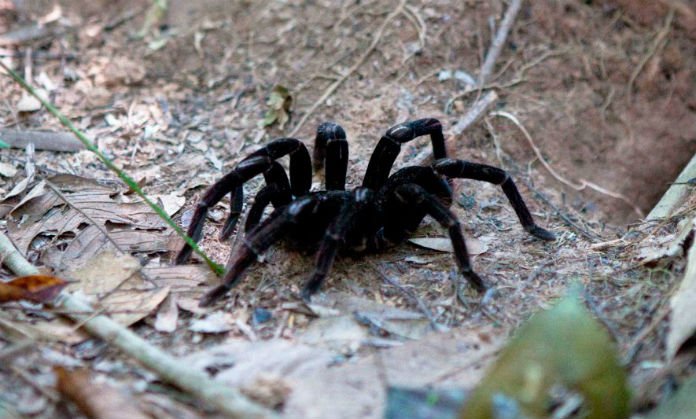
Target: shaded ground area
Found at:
x=604, y=90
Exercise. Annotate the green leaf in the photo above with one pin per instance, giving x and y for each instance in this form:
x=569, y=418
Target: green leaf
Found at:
x=559, y=349
x=279, y=103
x=4, y=144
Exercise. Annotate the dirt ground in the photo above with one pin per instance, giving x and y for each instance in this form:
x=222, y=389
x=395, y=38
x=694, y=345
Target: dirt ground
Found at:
x=605, y=90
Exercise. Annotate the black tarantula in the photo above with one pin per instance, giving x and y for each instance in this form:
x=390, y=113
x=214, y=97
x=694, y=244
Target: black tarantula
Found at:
x=382, y=212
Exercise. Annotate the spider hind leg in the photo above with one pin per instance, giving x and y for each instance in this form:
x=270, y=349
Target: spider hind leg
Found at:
x=467, y=170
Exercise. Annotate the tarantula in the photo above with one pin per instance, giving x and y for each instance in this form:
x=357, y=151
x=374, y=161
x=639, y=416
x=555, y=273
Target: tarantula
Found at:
x=382, y=212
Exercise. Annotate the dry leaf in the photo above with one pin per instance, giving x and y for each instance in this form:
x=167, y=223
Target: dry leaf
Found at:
x=7, y=170
x=115, y=281
x=74, y=223
x=352, y=388
x=28, y=103
x=182, y=278
x=683, y=318
x=665, y=248
x=443, y=244
x=171, y=203
x=20, y=187
x=167, y=315
x=218, y=322
x=103, y=273
x=96, y=399
x=38, y=288
x=129, y=306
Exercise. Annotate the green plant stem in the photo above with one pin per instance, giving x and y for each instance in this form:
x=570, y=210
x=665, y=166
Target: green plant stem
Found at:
x=132, y=184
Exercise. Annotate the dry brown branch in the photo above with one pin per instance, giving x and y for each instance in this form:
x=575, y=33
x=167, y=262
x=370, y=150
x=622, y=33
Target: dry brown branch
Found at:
x=332, y=88
x=499, y=41
x=476, y=111
x=474, y=114
x=42, y=140
x=582, y=184
x=170, y=369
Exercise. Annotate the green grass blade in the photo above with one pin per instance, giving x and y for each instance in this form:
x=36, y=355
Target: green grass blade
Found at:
x=132, y=184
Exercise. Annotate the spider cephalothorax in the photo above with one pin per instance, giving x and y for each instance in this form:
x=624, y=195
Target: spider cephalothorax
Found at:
x=384, y=211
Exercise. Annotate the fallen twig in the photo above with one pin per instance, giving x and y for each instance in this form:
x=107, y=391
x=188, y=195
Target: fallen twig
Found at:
x=42, y=140
x=169, y=368
x=475, y=113
x=499, y=41
x=332, y=88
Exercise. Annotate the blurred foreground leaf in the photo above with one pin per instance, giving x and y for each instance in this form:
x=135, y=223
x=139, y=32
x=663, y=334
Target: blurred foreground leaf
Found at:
x=406, y=403
x=680, y=406
x=558, y=354
x=279, y=103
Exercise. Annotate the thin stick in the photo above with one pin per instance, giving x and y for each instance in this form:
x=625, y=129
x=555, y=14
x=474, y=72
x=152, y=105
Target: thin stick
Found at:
x=109, y=164
x=332, y=88
x=42, y=140
x=475, y=113
x=582, y=184
x=499, y=41
x=169, y=368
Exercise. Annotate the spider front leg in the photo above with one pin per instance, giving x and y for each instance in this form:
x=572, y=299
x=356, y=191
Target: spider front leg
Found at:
x=272, y=229
x=334, y=237
x=421, y=201
x=267, y=233
x=331, y=153
x=468, y=170
x=389, y=146
x=277, y=191
x=257, y=163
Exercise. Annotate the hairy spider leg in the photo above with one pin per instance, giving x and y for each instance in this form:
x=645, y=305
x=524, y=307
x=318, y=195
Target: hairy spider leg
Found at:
x=236, y=205
x=330, y=151
x=300, y=162
x=411, y=195
x=389, y=146
x=268, y=232
x=276, y=191
x=331, y=154
x=261, y=238
x=335, y=237
x=467, y=170
x=257, y=163
x=266, y=196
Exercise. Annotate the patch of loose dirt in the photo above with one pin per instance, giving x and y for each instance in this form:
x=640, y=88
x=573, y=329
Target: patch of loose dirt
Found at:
x=606, y=91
